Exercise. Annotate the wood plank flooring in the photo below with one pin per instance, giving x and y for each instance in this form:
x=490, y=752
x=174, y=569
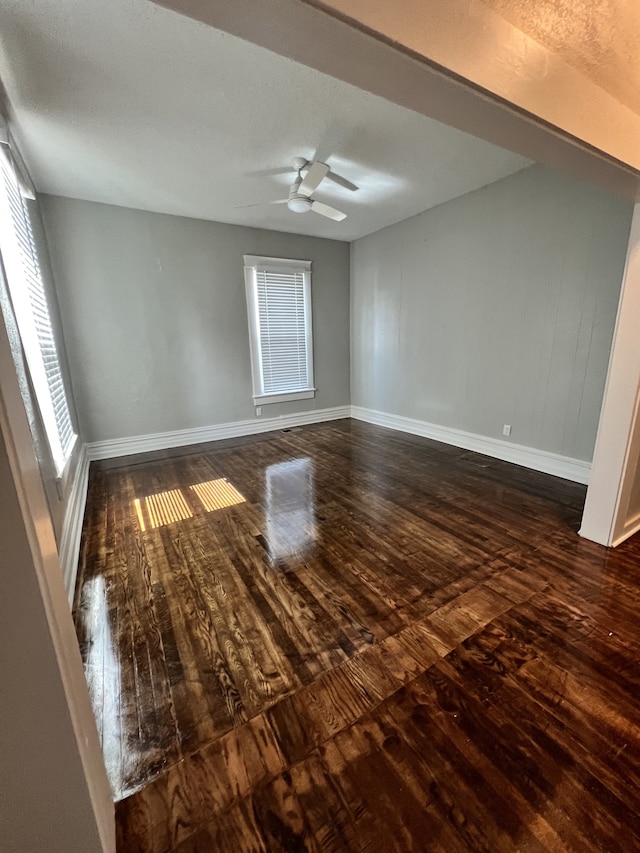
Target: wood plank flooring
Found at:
x=343, y=638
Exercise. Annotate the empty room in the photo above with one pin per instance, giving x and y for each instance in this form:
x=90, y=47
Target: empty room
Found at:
x=319, y=382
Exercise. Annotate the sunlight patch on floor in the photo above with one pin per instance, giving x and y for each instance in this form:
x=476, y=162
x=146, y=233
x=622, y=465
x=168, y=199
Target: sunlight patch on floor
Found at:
x=217, y=494
x=165, y=508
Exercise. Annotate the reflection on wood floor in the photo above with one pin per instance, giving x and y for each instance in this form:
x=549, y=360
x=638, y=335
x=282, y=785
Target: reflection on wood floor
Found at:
x=347, y=638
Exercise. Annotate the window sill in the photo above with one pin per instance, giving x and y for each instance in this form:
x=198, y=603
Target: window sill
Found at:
x=62, y=478
x=264, y=399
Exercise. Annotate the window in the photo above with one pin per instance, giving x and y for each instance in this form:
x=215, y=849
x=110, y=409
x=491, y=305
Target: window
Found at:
x=29, y=303
x=279, y=307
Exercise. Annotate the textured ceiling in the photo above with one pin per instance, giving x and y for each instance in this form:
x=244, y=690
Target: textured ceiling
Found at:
x=130, y=104
x=601, y=38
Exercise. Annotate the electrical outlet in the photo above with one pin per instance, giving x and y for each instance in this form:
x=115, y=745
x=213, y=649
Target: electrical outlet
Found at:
x=506, y=429
x=258, y=411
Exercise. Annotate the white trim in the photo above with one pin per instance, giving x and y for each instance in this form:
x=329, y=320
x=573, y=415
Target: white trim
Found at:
x=34, y=551
x=265, y=399
x=62, y=481
x=617, y=449
x=254, y=265
x=69, y=549
x=632, y=526
x=287, y=264
x=529, y=457
x=21, y=260
x=517, y=454
x=178, y=438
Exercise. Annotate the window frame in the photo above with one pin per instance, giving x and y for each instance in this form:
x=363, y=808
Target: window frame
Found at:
x=20, y=304
x=252, y=265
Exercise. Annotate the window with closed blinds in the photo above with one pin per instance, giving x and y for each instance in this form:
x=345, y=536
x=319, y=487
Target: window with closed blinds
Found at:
x=279, y=304
x=29, y=302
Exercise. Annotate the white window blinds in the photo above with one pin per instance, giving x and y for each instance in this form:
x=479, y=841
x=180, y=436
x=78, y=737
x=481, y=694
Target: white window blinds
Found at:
x=28, y=298
x=279, y=301
x=283, y=339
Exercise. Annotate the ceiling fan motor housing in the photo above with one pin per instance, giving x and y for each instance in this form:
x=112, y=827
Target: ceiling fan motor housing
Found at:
x=299, y=203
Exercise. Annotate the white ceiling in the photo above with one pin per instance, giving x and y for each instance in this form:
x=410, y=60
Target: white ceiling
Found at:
x=127, y=103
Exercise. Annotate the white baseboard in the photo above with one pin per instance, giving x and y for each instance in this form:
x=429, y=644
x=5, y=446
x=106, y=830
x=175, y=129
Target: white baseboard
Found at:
x=69, y=549
x=539, y=460
x=179, y=438
x=529, y=457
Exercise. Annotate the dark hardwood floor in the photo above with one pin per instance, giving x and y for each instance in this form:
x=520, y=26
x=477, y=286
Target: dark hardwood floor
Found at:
x=343, y=638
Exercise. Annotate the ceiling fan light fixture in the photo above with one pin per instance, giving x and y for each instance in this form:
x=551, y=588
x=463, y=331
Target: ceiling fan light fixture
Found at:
x=301, y=190
x=301, y=204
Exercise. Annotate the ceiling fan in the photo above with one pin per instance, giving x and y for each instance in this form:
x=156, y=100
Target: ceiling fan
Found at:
x=299, y=199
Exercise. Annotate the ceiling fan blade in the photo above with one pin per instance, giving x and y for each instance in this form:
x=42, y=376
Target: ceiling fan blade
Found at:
x=317, y=172
x=261, y=203
x=267, y=173
x=328, y=211
x=338, y=179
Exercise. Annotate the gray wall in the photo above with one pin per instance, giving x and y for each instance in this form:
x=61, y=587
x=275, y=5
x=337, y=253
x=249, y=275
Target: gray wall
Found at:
x=497, y=307
x=155, y=320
